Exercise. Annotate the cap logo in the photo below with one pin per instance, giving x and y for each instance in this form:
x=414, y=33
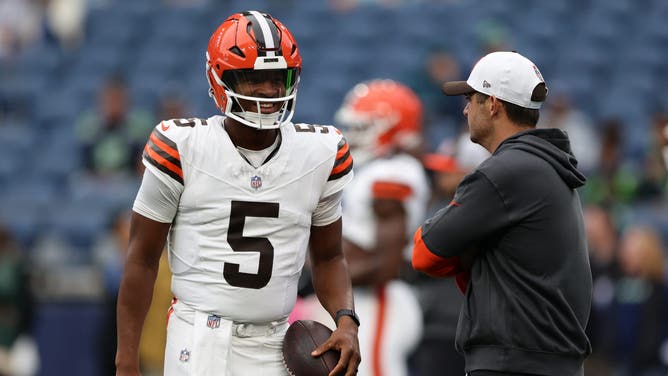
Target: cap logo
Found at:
x=486, y=84
x=540, y=76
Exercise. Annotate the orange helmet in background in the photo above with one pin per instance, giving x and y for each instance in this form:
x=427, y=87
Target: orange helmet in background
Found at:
x=244, y=46
x=380, y=116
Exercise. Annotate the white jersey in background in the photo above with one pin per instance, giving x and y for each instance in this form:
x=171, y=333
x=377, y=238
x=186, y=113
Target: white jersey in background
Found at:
x=239, y=234
x=391, y=316
x=397, y=172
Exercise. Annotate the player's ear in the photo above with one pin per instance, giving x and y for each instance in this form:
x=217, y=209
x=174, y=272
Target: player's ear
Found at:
x=493, y=104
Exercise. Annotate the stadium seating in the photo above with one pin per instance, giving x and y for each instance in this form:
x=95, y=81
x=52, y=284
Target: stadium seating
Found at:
x=608, y=54
x=162, y=48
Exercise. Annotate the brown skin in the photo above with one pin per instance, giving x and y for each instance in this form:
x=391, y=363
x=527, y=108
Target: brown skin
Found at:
x=148, y=237
x=382, y=264
x=147, y=240
x=333, y=288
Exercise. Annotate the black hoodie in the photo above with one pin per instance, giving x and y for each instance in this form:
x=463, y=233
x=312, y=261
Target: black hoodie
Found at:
x=519, y=217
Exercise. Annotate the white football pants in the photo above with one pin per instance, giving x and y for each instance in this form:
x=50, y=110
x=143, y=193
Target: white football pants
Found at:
x=212, y=346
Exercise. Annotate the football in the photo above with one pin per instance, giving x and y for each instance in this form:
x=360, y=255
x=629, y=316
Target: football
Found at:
x=302, y=337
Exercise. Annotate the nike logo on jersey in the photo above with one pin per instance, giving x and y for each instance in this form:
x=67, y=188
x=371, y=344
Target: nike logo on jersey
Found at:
x=164, y=127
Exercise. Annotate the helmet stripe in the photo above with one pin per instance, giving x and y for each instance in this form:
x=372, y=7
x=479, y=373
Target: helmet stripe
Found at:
x=266, y=33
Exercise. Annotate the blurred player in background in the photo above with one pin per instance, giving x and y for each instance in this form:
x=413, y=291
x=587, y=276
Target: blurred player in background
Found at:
x=383, y=205
x=240, y=198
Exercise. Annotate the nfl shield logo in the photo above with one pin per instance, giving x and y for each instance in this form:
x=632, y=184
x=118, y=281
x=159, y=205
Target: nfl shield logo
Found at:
x=213, y=322
x=185, y=355
x=256, y=182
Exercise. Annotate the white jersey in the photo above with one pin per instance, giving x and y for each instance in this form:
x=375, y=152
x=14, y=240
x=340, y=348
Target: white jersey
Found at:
x=239, y=234
x=401, y=176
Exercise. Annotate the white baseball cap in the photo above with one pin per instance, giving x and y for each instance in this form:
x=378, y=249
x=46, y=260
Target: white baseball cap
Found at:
x=508, y=76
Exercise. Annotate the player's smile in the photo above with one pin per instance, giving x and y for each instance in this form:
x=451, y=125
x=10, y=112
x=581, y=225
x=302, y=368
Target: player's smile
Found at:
x=261, y=106
x=270, y=107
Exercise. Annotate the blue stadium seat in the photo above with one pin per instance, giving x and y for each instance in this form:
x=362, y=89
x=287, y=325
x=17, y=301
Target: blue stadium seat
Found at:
x=603, y=28
x=11, y=165
x=55, y=111
x=24, y=202
x=79, y=222
x=17, y=146
x=581, y=44
x=57, y=161
x=17, y=139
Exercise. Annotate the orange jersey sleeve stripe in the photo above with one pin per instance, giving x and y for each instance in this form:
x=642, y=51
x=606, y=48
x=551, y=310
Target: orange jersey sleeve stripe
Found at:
x=342, y=151
x=159, y=161
x=425, y=261
x=163, y=146
x=343, y=163
x=391, y=190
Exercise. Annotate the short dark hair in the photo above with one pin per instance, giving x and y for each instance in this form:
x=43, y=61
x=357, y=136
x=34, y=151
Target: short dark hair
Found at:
x=516, y=114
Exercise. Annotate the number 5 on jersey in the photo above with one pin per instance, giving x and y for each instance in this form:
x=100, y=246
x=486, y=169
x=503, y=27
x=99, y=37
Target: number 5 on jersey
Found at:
x=240, y=243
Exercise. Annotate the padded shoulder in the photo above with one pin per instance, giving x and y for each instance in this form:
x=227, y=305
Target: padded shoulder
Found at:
x=167, y=143
x=328, y=143
x=178, y=130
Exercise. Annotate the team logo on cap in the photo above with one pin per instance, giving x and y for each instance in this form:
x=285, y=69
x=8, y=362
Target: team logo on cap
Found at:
x=540, y=76
x=486, y=84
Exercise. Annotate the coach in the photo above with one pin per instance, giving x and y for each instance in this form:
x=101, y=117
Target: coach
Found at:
x=513, y=236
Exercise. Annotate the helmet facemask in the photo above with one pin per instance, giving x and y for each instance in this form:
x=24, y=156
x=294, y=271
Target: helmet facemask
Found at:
x=380, y=117
x=362, y=133
x=262, y=99
x=253, y=66
x=247, y=104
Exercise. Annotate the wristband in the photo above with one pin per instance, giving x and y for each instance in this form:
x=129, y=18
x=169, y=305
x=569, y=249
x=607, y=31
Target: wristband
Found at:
x=346, y=312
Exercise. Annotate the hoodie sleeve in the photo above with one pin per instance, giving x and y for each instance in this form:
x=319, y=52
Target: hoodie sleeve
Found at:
x=476, y=212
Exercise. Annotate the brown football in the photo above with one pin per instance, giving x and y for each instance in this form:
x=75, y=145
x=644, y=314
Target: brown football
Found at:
x=302, y=337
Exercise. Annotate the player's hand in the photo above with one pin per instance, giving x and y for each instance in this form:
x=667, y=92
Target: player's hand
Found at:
x=344, y=340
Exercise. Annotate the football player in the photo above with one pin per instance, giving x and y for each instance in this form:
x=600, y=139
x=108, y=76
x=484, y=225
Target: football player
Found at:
x=239, y=199
x=383, y=206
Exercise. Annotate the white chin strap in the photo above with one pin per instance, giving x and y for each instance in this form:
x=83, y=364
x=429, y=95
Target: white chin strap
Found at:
x=258, y=120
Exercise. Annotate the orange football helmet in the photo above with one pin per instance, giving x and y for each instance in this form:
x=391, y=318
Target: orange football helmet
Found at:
x=253, y=46
x=379, y=116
